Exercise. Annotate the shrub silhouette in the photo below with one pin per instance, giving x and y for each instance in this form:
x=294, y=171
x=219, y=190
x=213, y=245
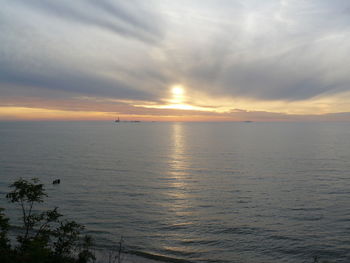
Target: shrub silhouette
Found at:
x=44, y=236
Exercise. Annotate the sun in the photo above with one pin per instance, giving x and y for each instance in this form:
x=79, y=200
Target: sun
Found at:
x=177, y=90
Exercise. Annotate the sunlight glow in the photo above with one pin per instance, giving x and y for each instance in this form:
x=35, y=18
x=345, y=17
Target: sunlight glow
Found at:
x=180, y=107
x=177, y=90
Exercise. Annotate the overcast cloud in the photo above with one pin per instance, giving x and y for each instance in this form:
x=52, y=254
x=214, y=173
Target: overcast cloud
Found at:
x=287, y=50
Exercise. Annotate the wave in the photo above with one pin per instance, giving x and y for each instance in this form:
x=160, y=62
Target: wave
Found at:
x=157, y=257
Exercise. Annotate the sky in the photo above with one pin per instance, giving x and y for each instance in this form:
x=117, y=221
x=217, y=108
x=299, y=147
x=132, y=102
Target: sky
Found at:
x=184, y=60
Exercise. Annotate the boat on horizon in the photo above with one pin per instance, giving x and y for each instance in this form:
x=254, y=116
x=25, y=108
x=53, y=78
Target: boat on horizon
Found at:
x=131, y=121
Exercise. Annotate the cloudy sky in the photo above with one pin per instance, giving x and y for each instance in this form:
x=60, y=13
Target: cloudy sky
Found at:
x=190, y=60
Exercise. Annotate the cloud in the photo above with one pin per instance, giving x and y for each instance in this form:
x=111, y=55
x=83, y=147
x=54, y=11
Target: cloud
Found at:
x=287, y=50
x=44, y=56
x=259, y=50
x=128, y=18
x=66, y=81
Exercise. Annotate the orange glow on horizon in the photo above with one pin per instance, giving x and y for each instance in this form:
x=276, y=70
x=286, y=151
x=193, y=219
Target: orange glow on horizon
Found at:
x=194, y=107
x=41, y=114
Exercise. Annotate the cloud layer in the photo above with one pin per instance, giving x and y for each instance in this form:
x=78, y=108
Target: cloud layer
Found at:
x=287, y=50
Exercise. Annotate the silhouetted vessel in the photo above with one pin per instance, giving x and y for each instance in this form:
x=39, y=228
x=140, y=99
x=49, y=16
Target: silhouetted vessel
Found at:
x=126, y=121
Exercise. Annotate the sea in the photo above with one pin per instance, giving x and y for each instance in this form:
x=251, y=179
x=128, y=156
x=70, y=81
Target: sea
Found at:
x=192, y=192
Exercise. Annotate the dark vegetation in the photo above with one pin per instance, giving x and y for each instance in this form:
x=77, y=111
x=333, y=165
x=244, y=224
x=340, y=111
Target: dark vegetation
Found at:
x=44, y=235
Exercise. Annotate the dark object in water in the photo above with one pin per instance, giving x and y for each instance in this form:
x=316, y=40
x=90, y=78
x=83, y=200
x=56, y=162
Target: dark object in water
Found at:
x=57, y=181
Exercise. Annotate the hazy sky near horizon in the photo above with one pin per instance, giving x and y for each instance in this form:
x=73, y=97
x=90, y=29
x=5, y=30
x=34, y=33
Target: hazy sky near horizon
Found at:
x=232, y=59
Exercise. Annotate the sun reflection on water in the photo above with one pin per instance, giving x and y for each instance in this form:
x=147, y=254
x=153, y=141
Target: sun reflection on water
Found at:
x=181, y=214
x=179, y=161
x=178, y=170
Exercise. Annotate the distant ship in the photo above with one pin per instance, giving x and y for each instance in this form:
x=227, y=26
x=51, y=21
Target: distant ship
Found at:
x=118, y=120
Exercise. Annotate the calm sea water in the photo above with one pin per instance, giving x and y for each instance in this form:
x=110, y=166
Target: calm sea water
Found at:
x=203, y=192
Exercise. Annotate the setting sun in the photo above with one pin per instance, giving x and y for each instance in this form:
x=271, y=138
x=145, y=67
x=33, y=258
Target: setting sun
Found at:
x=177, y=90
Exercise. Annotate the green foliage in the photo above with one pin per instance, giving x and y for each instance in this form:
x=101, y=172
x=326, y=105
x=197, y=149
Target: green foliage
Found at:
x=67, y=234
x=26, y=194
x=85, y=254
x=44, y=236
x=5, y=253
x=4, y=226
x=27, y=191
